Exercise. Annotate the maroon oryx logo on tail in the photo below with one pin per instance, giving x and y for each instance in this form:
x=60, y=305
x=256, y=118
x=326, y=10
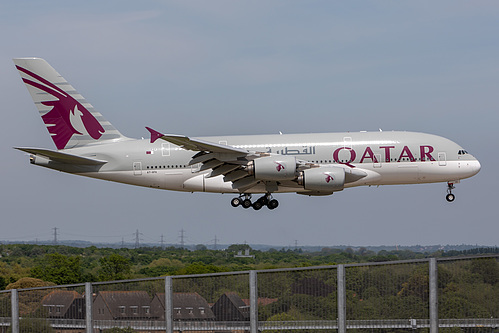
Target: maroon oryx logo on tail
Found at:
x=67, y=116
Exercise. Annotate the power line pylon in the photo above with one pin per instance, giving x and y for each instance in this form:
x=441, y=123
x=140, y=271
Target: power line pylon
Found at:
x=215, y=243
x=55, y=235
x=137, y=238
x=182, y=237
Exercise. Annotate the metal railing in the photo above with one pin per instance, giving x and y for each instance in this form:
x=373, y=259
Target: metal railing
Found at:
x=424, y=294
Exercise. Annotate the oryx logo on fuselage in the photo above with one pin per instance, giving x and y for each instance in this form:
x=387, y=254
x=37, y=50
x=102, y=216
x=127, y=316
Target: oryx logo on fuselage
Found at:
x=67, y=116
x=279, y=166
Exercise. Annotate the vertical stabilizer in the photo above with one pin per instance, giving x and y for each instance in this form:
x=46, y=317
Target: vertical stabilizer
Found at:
x=70, y=119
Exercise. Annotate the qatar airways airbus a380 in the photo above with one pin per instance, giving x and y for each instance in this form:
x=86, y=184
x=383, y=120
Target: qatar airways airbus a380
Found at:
x=309, y=164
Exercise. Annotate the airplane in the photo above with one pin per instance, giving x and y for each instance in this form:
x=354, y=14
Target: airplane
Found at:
x=309, y=164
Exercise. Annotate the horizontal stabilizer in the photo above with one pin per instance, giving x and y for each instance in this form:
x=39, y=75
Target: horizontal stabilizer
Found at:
x=62, y=157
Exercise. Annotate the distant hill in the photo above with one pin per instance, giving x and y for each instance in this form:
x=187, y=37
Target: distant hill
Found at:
x=265, y=247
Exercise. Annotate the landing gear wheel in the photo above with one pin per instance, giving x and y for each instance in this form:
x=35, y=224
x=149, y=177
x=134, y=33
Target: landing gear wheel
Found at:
x=235, y=202
x=450, y=197
x=273, y=204
x=257, y=205
x=264, y=200
x=246, y=203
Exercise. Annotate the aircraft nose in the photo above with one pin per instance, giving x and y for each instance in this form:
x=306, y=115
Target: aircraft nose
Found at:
x=474, y=166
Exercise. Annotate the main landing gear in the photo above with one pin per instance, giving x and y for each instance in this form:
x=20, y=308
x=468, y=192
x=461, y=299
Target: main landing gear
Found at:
x=244, y=200
x=450, y=197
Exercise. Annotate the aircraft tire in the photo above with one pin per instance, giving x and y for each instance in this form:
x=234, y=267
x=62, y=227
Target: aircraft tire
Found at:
x=246, y=203
x=235, y=202
x=450, y=197
x=257, y=205
x=273, y=204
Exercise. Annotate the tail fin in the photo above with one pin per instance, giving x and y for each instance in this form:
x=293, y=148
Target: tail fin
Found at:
x=70, y=119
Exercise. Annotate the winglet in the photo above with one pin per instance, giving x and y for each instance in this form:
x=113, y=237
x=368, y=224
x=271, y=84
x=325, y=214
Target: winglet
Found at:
x=155, y=135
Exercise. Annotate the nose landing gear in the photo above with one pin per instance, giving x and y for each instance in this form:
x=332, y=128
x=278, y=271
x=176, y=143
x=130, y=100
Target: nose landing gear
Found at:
x=244, y=200
x=450, y=197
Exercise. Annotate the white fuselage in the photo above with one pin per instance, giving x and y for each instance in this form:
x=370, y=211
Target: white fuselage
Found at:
x=387, y=158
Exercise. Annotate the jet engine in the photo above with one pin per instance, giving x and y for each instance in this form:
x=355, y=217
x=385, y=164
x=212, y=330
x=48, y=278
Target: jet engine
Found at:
x=273, y=168
x=323, y=179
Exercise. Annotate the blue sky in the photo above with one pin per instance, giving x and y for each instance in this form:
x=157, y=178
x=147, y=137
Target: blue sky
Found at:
x=203, y=68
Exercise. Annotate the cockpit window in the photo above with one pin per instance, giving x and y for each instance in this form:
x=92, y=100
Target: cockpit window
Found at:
x=462, y=152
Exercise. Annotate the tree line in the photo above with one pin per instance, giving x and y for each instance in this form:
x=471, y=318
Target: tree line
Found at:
x=69, y=265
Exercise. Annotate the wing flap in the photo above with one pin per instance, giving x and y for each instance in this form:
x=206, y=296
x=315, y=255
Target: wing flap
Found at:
x=223, y=169
x=235, y=175
x=201, y=157
x=211, y=164
x=244, y=184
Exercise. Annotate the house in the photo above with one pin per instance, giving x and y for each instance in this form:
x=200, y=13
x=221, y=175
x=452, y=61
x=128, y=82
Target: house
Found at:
x=313, y=287
x=122, y=305
x=262, y=301
x=230, y=307
x=186, y=306
x=64, y=304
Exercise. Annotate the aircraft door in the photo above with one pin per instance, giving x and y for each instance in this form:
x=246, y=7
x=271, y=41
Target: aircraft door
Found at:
x=442, y=159
x=347, y=142
x=165, y=149
x=137, y=168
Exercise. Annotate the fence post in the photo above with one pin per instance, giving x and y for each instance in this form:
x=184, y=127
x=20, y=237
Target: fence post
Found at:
x=89, y=297
x=433, y=296
x=169, y=304
x=342, y=318
x=14, y=299
x=253, y=302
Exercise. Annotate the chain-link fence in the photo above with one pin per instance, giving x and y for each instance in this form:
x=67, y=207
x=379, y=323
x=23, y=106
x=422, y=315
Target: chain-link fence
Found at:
x=210, y=302
x=5, y=311
x=129, y=304
x=48, y=308
x=427, y=295
x=468, y=293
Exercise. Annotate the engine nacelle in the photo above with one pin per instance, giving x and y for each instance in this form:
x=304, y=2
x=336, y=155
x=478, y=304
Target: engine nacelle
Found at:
x=273, y=168
x=324, y=179
x=40, y=160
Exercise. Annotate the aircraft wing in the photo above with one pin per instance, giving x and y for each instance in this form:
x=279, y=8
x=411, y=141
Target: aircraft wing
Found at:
x=61, y=157
x=224, y=160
